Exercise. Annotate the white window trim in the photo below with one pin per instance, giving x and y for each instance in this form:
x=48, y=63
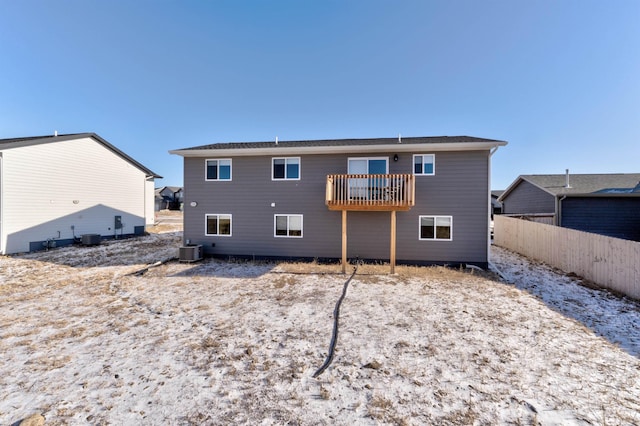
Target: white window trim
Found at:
x=386, y=159
x=218, y=160
x=206, y=218
x=413, y=165
x=285, y=168
x=435, y=219
x=288, y=216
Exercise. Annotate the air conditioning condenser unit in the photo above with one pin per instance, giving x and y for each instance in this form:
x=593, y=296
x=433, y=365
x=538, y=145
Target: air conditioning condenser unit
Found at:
x=191, y=253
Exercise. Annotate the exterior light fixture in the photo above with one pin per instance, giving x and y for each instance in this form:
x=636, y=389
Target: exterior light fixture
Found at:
x=395, y=157
x=193, y=204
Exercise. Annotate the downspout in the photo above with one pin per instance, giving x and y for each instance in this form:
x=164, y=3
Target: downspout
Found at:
x=558, y=218
x=144, y=205
x=147, y=179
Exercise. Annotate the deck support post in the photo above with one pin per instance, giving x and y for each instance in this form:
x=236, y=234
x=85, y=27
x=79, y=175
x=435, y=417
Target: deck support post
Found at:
x=344, y=241
x=392, y=257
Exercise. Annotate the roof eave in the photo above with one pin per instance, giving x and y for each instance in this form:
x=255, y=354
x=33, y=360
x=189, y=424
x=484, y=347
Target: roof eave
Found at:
x=343, y=149
x=601, y=195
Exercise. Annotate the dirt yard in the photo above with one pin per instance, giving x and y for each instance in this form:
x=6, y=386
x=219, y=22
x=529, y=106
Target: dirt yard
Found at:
x=83, y=341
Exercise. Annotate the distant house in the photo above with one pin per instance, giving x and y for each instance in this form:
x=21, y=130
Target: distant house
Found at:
x=168, y=198
x=606, y=204
x=418, y=200
x=54, y=189
x=496, y=206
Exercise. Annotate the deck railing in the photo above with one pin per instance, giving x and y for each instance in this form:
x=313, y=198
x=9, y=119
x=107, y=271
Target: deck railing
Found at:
x=370, y=192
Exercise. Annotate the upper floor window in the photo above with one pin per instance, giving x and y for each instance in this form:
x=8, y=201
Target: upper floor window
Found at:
x=218, y=224
x=218, y=169
x=436, y=228
x=424, y=164
x=287, y=225
x=285, y=168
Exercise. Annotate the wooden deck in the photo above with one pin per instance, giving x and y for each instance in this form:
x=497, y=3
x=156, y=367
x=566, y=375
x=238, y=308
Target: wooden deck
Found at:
x=390, y=192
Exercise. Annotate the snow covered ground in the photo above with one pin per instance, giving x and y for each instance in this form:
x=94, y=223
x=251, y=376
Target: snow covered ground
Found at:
x=214, y=342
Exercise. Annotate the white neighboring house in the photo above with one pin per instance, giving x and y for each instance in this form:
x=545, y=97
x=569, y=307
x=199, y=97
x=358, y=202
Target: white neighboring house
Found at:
x=54, y=189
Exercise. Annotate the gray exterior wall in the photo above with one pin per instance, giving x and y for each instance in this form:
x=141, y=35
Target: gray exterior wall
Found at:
x=527, y=198
x=458, y=189
x=611, y=216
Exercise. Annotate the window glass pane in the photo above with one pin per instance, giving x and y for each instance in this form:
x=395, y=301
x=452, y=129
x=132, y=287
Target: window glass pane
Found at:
x=377, y=167
x=443, y=228
x=428, y=164
x=428, y=168
x=417, y=164
x=358, y=167
x=225, y=225
x=427, y=221
x=443, y=221
x=224, y=169
x=281, y=225
x=295, y=226
x=427, y=228
x=443, y=232
x=293, y=168
x=278, y=168
x=225, y=173
x=212, y=169
x=212, y=225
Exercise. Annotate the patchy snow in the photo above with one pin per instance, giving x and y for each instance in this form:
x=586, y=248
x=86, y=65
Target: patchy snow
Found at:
x=614, y=317
x=84, y=342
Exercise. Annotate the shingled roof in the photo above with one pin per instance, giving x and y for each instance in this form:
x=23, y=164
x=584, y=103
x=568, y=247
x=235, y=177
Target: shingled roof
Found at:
x=344, y=142
x=582, y=184
x=342, y=145
x=36, y=140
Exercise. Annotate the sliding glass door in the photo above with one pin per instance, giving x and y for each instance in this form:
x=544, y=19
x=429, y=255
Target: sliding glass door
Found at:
x=365, y=187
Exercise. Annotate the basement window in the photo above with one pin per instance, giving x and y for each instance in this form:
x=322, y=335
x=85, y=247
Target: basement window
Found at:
x=287, y=225
x=218, y=224
x=436, y=228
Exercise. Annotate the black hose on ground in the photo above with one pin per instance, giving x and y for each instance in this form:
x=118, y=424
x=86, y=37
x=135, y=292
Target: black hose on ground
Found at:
x=334, y=336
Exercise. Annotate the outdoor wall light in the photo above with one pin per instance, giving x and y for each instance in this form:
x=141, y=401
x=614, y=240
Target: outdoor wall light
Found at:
x=395, y=157
x=193, y=204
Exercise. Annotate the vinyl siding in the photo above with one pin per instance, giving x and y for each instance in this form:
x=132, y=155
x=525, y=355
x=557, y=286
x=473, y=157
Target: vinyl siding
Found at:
x=41, y=182
x=614, y=217
x=527, y=198
x=459, y=189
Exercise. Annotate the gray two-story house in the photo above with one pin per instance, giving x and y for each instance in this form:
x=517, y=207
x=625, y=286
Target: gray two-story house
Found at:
x=416, y=200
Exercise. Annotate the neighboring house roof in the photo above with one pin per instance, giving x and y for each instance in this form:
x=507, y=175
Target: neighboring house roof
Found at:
x=497, y=193
x=625, y=184
x=174, y=189
x=400, y=144
x=36, y=140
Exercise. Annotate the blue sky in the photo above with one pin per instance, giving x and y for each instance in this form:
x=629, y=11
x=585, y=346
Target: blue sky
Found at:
x=558, y=79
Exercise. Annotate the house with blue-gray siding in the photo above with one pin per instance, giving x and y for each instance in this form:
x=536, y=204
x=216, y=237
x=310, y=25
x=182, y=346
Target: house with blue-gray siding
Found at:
x=605, y=204
x=414, y=200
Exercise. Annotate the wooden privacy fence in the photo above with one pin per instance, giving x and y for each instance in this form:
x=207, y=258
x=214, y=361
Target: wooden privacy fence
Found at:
x=609, y=262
